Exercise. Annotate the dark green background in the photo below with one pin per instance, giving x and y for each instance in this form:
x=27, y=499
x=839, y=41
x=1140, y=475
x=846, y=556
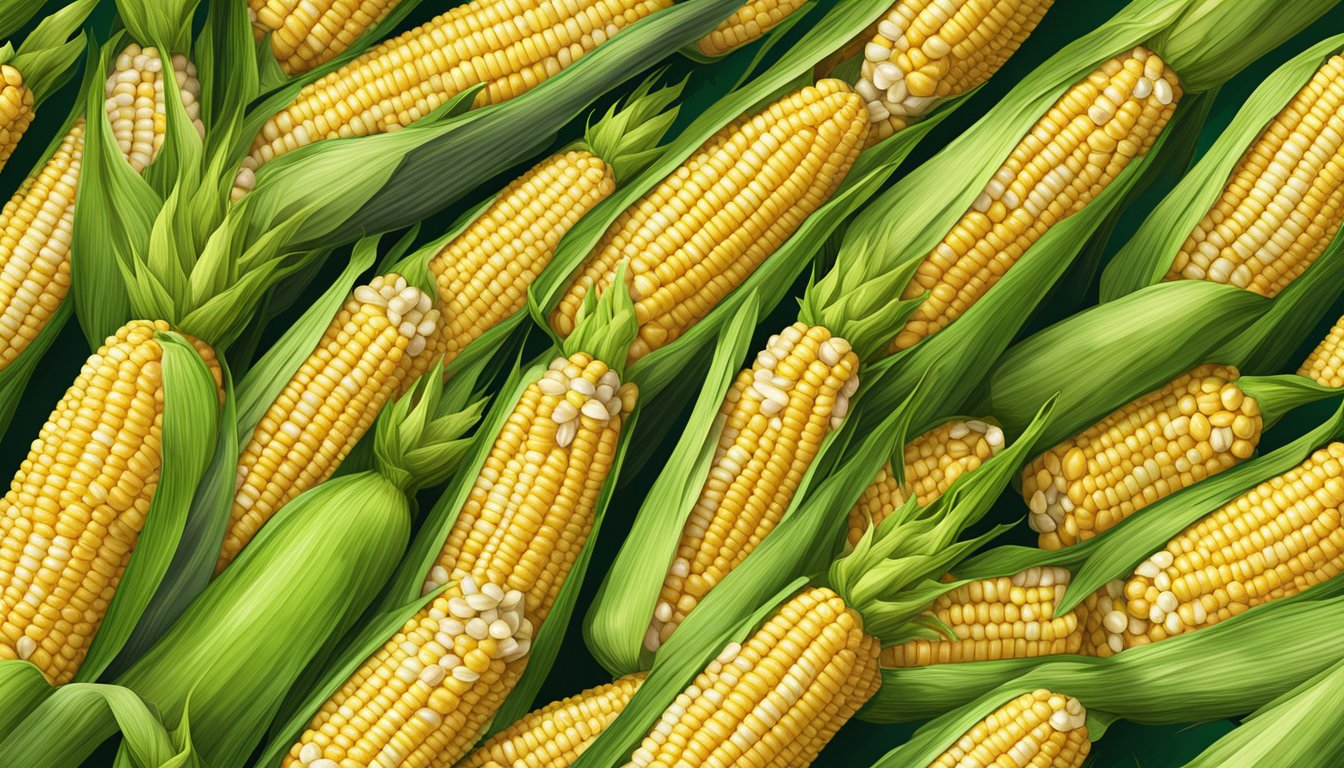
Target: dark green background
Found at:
x=858, y=744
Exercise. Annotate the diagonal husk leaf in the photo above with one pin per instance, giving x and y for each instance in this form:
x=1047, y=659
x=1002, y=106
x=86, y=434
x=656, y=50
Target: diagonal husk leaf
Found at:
x=22, y=688
x=190, y=421
x=605, y=326
x=15, y=14
x=14, y=377
x=47, y=56
x=165, y=24
x=1277, y=395
x=627, y=136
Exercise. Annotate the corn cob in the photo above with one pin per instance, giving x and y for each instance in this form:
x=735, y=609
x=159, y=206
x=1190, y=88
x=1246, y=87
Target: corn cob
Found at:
x=1085, y=140
x=1273, y=541
x=1102, y=634
x=1325, y=364
x=923, y=52
x=999, y=618
x=700, y=233
x=555, y=735
x=1283, y=203
x=775, y=700
x=366, y=356
x=933, y=461
x=74, y=509
x=423, y=699
x=748, y=24
x=508, y=45
x=484, y=273
x=306, y=34
x=1198, y=425
x=36, y=223
x=1039, y=729
x=772, y=422
x=16, y=110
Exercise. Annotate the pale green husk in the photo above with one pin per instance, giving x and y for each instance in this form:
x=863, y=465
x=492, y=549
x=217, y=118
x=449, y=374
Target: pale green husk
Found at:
x=47, y=56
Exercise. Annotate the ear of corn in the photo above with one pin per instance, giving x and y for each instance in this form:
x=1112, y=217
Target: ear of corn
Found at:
x=479, y=42
x=1198, y=425
x=556, y=734
x=771, y=426
x=523, y=522
x=72, y=529
x=776, y=699
x=1040, y=729
x=1282, y=203
x=306, y=35
x=16, y=110
x=1325, y=364
x=932, y=462
x=748, y=24
x=1086, y=139
x=701, y=232
x=365, y=357
x=41, y=64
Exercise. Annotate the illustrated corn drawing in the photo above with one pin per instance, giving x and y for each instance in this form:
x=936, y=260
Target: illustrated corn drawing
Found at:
x=16, y=110
x=1325, y=364
x=74, y=510
x=1038, y=729
x=707, y=226
x=1088, y=137
x=509, y=46
x=1198, y=425
x=368, y=354
x=555, y=735
x=1273, y=541
x=483, y=274
x=772, y=423
x=1283, y=203
x=305, y=34
x=776, y=699
x=424, y=698
x=36, y=223
x=933, y=461
x=923, y=52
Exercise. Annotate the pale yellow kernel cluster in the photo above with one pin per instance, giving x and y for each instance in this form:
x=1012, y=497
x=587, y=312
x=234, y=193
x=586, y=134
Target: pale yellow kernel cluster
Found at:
x=1038, y=729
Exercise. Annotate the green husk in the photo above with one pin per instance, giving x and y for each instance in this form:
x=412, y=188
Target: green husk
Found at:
x=1299, y=728
x=15, y=14
x=1149, y=253
x=165, y=24
x=46, y=57
x=22, y=688
x=771, y=280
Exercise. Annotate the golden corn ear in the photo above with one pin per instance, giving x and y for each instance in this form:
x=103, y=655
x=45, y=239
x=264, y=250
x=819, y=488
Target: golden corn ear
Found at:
x=1275, y=540
x=1325, y=364
x=700, y=233
x=308, y=34
x=999, y=618
x=509, y=45
x=424, y=699
x=933, y=461
x=923, y=52
x=748, y=24
x=74, y=510
x=1198, y=425
x=1085, y=140
x=1284, y=201
x=16, y=110
x=365, y=357
x=1038, y=729
x=36, y=223
x=1102, y=629
x=484, y=273
x=772, y=422
x=776, y=700
x=555, y=735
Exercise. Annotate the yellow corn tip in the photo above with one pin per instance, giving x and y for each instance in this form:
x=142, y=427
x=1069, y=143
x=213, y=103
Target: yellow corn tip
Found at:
x=778, y=699
x=1038, y=729
x=1276, y=540
x=305, y=35
x=926, y=51
x=1325, y=364
x=701, y=232
x=135, y=101
x=1009, y=617
x=365, y=357
x=555, y=735
x=74, y=510
x=510, y=45
x=933, y=461
x=16, y=110
x=1085, y=140
x=1283, y=203
x=424, y=699
x=1196, y=426
x=747, y=24
x=484, y=273
x=771, y=425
